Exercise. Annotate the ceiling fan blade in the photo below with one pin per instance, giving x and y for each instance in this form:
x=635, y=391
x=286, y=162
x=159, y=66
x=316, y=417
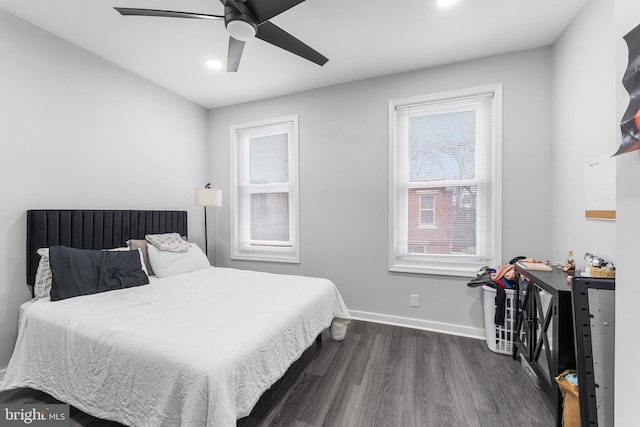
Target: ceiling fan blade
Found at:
x=265, y=10
x=234, y=54
x=275, y=35
x=165, y=13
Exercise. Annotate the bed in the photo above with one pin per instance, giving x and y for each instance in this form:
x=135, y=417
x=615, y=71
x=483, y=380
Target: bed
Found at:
x=192, y=349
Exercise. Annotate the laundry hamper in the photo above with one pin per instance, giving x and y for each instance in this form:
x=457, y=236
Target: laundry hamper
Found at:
x=499, y=337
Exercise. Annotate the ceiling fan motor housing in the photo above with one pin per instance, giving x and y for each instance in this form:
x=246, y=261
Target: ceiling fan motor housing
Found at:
x=241, y=26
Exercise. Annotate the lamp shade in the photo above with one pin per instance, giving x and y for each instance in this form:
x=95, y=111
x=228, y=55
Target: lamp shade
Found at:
x=208, y=197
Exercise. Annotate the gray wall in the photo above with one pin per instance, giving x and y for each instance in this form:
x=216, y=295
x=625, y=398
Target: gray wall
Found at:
x=627, y=16
x=589, y=101
x=584, y=129
x=343, y=185
x=79, y=132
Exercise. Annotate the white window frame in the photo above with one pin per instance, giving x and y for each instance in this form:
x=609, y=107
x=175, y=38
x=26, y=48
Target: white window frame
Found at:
x=242, y=247
x=400, y=260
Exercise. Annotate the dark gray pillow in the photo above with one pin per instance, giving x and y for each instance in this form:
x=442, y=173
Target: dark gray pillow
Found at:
x=78, y=272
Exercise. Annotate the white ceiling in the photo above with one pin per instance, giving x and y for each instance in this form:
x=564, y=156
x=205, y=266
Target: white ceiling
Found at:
x=361, y=38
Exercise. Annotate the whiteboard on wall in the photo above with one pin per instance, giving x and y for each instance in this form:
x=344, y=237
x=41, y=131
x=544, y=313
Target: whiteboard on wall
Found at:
x=600, y=188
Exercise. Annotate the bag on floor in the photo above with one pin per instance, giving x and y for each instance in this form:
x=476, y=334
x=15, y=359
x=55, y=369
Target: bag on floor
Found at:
x=571, y=406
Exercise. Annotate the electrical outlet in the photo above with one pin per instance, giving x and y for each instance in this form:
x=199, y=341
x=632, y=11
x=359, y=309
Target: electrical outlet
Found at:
x=415, y=301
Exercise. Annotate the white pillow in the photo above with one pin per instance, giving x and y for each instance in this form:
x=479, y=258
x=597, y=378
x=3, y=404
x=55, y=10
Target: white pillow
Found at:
x=165, y=263
x=42, y=285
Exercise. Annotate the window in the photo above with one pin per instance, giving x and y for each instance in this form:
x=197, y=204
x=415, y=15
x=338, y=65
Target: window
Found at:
x=427, y=210
x=265, y=190
x=445, y=182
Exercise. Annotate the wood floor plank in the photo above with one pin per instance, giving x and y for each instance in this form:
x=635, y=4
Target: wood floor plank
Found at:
x=432, y=388
x=343, y=411
x=478, y=382
x=298, y=401
x=373, y=379
x=320, y=365
x=328, y=387
x=383, y=375
x=362, y=353
x=264, y=411
x=455, y=376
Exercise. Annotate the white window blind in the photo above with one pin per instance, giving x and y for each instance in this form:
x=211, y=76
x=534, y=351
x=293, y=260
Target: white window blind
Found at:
x=445, y=182
x=265, y=190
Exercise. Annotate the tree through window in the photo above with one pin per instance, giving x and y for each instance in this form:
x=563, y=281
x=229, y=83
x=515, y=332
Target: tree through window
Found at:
x=444, y=191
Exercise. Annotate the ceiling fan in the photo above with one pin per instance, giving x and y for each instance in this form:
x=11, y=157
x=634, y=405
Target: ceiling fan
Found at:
x=244, y=20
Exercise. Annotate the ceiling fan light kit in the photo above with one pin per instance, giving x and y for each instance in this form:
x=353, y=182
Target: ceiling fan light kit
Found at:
x=245, y=20
x=242, y=30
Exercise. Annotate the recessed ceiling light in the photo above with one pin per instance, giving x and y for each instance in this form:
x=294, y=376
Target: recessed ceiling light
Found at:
x=214, y=64
x=446, y=3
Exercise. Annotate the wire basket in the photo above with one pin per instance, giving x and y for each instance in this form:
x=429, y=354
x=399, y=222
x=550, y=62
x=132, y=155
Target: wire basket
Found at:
x=602, y=272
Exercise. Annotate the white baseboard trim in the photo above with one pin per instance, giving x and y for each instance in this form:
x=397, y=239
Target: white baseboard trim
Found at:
x=426, y=325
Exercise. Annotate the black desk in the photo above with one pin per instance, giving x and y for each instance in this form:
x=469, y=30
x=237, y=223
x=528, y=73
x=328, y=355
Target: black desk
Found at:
x=544, y=327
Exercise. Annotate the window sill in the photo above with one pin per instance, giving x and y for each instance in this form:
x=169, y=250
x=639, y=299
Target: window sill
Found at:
x=291, y=258
x=436, y=268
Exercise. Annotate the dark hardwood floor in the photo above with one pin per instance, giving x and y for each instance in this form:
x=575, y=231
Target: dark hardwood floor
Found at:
x=384, y=375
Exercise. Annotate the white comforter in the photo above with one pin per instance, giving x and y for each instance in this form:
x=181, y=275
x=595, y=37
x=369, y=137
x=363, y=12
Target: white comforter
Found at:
x=197, y=349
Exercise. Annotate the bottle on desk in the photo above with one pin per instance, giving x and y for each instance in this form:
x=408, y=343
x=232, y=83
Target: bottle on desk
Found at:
x=570, y=265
